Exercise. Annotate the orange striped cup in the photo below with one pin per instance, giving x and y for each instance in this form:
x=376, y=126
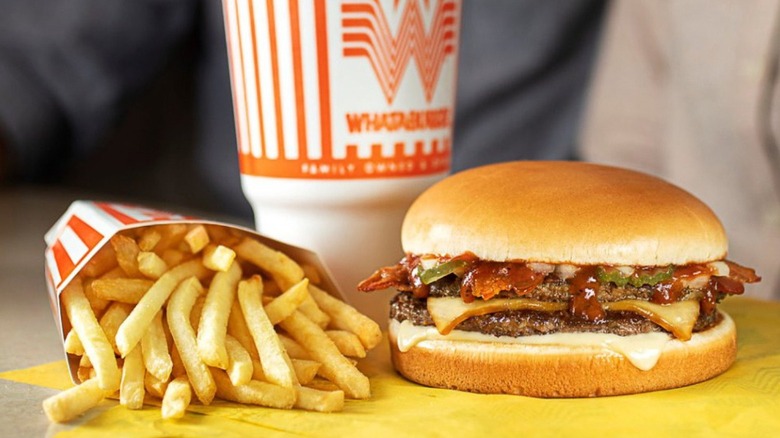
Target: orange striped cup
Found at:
x=344, y=112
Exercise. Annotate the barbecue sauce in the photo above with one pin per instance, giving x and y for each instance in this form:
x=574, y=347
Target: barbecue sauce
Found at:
x=485, y=280
x=488, y=279
x=583, y=288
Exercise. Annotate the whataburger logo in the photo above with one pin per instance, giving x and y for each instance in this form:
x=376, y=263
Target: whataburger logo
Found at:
x=366, y=33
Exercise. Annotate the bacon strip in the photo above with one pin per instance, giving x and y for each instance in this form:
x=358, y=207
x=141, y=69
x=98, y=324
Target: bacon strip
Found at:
x=741, y=273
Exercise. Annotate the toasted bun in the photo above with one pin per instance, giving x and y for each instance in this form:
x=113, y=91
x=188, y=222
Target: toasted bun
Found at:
x=563, y=371
x=563, y=212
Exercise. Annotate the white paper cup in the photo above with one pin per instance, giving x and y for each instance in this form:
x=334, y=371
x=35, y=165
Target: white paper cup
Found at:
x=344, y=114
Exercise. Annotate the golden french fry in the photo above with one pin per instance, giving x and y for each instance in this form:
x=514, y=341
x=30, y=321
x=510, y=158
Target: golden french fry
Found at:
x=257, y=371
x=312, y=399
x=178, y=311
x=131, y=331
x=348, y=343
x=168, y=358
x=254, y=392
x=311, y=272
x=97, y=303
x=131, y=389
x=84, y=373
x=345, y=317
x=285, y=304
x=197, y=309
x=124, y=290
x=212, y=327
x=240, y=364
x=309, y=308
x=322, y=384
x=177, y=398
x=273, y=357
x=73, y=344
x=148, y=239
x=335, y=367
x=177, y=368
x=218, y=257
x=126, y=254
x=237, y=328
x=155, y=386
x=170, y=236
x=103, y=261
x=305, y=369
x=151, y=265
x=173, y=257
x=74, y=401
x=154, y=347
x=282, y=268
x=293, y=348
x=271, y=289
x=197, y=238
x=117, y=272
x=84, y=362
x=114, y=316
x=95, y=343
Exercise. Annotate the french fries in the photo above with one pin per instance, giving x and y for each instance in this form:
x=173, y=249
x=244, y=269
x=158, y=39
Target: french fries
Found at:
x=274, y=359
x=212, y=327
x=348, y=343
x=179, y=307
x=218, y=258
x=176, y=399
x=318, y=400
x=126, y=254
x=124, y=290
x=114, y=316
x=154, y=347
x=335, y=367
x=131, y=331
x=197, y=238
x=240, y=363
x=131, y=390
x=93, y=339
x=346, y=317
x=151, y=265
x=254, y=393
x=73, y=402
x=172, y=305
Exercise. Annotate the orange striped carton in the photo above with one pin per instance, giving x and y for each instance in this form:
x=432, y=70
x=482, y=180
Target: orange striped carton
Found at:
x=343, y=89
x=87, y=227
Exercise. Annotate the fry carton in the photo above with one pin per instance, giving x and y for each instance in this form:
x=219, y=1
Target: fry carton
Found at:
x=87, y=228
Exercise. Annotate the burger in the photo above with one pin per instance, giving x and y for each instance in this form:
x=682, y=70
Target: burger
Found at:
x=560, y=279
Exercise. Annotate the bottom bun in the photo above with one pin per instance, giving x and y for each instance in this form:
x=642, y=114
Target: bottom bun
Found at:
x=563, y=371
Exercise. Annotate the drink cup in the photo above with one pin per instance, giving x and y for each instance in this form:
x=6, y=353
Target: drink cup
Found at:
x=344, y=114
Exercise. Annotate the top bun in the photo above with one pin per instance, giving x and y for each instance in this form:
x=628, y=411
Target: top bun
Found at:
x=563, y=212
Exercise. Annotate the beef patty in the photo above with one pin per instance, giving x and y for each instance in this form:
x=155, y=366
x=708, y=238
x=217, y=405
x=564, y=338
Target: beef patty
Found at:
x=515, y=323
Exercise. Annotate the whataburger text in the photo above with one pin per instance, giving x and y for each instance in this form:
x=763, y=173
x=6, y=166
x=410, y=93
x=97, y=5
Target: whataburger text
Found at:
x=182, y=310
x=439, y=118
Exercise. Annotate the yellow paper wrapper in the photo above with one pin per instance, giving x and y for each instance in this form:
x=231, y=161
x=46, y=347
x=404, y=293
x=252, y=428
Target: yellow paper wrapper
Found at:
x=744, y=401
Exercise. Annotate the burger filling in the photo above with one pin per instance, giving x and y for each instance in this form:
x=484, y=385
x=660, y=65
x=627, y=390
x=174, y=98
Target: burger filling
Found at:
x=522, y=299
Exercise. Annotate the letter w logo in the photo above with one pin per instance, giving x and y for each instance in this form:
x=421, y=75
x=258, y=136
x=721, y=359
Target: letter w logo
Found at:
x=367, y=33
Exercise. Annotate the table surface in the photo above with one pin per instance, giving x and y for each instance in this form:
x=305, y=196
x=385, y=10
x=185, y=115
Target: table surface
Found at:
x=747, y=397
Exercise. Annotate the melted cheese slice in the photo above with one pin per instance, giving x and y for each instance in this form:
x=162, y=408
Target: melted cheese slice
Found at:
x=677, y=318
x=642, y=350
x=448, y=312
